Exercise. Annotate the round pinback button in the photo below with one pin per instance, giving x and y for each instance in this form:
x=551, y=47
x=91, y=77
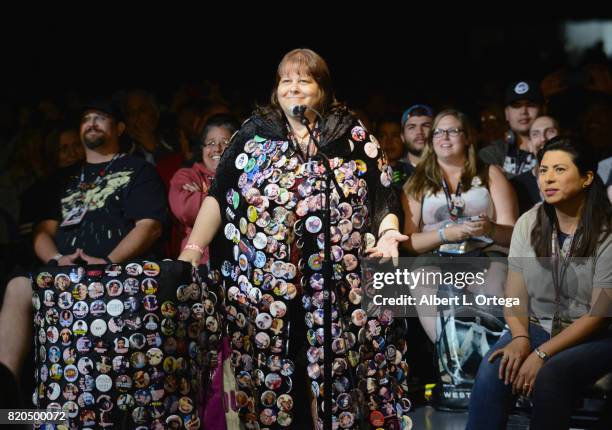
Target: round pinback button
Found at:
x=151, y=268
x=115, y=307
x=98, y=327
x=241, y=161
x=104, y=383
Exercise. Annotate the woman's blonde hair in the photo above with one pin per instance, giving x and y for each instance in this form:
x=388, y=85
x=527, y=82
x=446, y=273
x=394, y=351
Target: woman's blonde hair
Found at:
x=427, y=177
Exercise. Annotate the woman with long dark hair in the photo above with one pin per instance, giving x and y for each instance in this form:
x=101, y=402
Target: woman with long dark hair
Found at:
x=560, y=268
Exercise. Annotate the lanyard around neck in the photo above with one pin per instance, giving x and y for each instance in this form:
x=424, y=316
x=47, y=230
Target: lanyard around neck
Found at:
x=559, y=262
x=455, y=207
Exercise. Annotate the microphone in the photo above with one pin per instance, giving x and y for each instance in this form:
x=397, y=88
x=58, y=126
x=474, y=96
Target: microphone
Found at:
x=298, y=111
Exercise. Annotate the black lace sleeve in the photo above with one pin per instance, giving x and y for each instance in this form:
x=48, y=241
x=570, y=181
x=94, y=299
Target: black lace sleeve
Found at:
x=382, y=199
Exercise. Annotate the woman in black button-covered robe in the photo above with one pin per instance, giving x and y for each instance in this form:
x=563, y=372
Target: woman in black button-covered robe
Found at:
x=264, y=218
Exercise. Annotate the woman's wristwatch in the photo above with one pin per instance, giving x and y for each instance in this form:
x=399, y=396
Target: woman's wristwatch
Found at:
x=541, y=354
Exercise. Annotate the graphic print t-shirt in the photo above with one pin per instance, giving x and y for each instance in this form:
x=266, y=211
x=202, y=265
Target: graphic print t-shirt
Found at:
x=129, y=190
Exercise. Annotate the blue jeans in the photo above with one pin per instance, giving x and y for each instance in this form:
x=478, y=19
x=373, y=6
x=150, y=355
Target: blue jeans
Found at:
x=558, y=382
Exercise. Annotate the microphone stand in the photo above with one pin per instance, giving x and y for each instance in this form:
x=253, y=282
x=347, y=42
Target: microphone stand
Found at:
x=327, y=273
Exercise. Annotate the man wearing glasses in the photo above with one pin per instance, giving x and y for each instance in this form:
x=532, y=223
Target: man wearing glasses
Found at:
x=523, y=106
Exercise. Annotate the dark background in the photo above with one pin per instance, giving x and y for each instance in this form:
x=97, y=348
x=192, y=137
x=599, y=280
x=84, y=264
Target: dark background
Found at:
x=397, y=55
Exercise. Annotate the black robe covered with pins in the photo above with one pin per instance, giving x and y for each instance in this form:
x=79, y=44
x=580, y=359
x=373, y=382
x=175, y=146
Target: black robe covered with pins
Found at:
x=269, y=255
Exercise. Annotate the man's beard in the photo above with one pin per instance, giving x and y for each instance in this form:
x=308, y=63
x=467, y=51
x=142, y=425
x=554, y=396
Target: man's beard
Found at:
x=414, y=151
x=95, y=142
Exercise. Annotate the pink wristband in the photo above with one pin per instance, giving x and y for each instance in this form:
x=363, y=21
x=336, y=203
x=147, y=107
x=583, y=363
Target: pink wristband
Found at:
x=194, y=247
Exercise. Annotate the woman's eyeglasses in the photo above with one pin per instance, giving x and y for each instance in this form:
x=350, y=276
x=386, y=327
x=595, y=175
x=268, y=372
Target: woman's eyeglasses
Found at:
x=451, y=132
x=213, y=143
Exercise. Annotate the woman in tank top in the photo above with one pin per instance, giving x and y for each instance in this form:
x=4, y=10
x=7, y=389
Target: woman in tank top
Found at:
x=454, y=204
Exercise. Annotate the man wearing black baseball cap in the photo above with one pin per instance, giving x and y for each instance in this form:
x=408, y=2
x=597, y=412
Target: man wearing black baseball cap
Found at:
x=523, y=105
x=110, y=209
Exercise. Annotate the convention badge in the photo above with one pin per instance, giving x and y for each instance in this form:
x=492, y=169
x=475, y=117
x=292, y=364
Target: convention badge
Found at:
x=66, y=318
x=149, y=286
x=66, y=336
x=113, y=270
x=250, y=146
x=76, y=274
x=56, y=372
x=71, y=373
x=282, y=160
x=251, y=215
x=83, y=345
x=52, y=334
x=241, y=161
x=98, y=327
x=339, y=346
x=313, y=224
x=250, y=165
x=125, y=402
x=120, y=364
x=313, y=370
x=141, y=379
x=278, y=309
x=315, y=389
x=69, y=355
x=150, y=268
x=315, y=262
x=115, y=307
x=140, y=415
x=230, y=231
x=121, y=345
x=49, y=298
x=86, y=383
x=35, y=301
x=150, y=303
x=71, y=409
x=114, y=288
x=79, y=291
x=273, y=381
x=260, y=241
x=361, y=167
x=53, y=391
x=211, y=324
x=131, y=286
x=62, y=282
x=97, y=308
x=291, y=289
x=137, y=341
x=115, y=325
x=358, y=221
x=350, y=263
x=74, y=216
x=168, y=310
x=271, y=191
x=263, y=321
x=287, y=180
x=54, y=354
x=268, y=398
x=95, y=290
x=263, y=220
x=378, y=342
x=358, y=317
x=370, y=149
x=358, y=133
x=86, y=400
x=243, y=226
x=262, y=340
x=138, y=360
x=133, y=269
x=354, y=280
x=260, y=260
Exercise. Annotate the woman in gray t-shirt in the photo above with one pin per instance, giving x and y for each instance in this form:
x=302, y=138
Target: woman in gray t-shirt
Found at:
x=560, y=268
